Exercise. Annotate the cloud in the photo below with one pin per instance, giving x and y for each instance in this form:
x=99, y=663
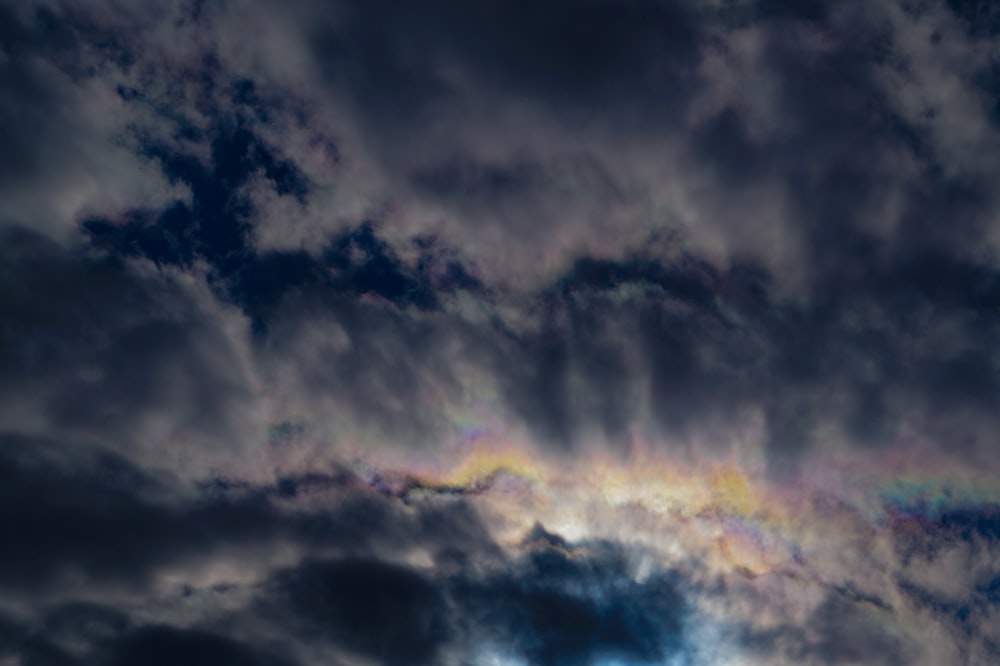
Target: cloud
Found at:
x=577, y=604
x=389, y=613
x=64, y=128
x=114, y=353
x=167, y=645
x=310, y=315
x=555, y=604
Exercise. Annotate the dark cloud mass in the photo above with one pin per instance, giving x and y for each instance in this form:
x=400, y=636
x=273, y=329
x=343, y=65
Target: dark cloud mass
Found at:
x=499, y=333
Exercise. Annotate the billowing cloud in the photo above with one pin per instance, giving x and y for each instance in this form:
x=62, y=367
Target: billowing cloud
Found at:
x=656, y=332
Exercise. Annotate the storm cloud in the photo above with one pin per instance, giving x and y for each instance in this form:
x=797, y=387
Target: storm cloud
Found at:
x=577, y=332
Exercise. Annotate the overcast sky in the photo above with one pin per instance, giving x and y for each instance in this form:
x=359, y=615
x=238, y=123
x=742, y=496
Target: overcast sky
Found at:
x=499, y=332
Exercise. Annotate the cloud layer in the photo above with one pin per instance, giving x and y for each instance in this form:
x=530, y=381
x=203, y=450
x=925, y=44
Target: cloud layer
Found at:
x=581, y=332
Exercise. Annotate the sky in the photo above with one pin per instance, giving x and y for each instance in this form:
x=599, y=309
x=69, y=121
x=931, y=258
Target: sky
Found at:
x=499, y=333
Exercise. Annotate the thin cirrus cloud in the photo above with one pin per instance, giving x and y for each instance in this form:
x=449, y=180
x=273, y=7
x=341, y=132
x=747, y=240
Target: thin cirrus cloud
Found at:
x=499, y=333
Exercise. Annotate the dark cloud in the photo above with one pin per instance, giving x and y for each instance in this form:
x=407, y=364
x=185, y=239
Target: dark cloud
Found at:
x=19, y=156
x=558, y=603
x=579, y=367
x=242, y=249
x=85, y=635
x=59, y=132
x=838, y=632
x=168, y=645
x=388, y=613
x=99, y=525
x=96, y=347
x=980, y=18
x=563, y=604
x=102, y=519
x=581, y=58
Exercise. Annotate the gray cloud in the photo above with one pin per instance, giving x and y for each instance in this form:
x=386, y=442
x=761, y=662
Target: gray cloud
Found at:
x=119, y=355
x=255, y=264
